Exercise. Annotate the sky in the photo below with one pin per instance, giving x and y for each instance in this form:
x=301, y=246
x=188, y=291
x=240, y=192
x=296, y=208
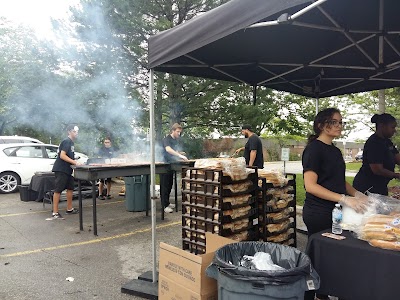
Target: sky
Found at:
x=36, y=13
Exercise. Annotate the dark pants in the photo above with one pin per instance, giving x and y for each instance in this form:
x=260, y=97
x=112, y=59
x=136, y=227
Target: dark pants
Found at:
x=166, y=182
x=316, y=222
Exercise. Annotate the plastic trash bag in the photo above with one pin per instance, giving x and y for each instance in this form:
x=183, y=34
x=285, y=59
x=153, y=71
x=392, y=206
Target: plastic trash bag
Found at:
x=296, y=264
x=260, y=261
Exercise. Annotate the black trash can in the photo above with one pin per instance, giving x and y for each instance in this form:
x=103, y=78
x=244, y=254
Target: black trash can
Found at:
x=136, y=192
x=237, y=283
x=26, y=194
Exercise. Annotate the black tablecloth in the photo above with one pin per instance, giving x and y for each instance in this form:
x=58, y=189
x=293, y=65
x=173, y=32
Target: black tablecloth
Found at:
x=354, y=270
x=41, y=184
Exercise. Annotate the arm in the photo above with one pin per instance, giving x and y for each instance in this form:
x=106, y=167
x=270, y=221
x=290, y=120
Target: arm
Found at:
x=350, y=190
x=238, y=150
x=175, y=153
x=64, y=157
x=253, y=154
x=379, y=170
x=312, y=187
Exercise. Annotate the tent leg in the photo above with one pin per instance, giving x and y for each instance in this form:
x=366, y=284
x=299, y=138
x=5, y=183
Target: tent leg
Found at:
x=143, y=286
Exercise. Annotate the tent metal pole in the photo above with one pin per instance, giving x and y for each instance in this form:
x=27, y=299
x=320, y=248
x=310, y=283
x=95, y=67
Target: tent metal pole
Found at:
x=254, y=95
x=152, y=174
x=316, y=105
x=381, y=93
x=292, y=17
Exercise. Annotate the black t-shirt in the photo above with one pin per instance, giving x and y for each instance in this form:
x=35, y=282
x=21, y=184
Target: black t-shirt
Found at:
x=327, y=162
x=254, y=143
x=60, y=165
x=376, y=151
x=174, y=144
x=106, y=152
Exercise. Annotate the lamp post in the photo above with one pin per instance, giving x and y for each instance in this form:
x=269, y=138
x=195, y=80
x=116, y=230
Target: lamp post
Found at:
x=344, y=149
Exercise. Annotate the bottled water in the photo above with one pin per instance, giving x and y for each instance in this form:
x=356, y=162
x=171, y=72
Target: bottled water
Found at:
x=337, y=219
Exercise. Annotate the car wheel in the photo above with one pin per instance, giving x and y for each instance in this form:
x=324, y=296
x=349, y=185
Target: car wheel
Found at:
x=9, y=182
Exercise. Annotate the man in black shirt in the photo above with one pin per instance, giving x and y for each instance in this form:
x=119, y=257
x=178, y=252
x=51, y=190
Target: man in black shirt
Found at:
x=63, y=173
x=170, y=151
x=107, y=152
x=253, y=152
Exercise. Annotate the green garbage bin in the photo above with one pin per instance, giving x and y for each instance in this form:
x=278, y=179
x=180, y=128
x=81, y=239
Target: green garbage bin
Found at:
x=136, y=192
x=236, y=282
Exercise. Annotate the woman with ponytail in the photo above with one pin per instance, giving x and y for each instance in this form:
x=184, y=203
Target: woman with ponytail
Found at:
x=379, y=157
x=324, y=177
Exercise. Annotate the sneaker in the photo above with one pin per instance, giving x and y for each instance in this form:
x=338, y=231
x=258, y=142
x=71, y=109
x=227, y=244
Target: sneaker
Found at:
x=168, y=209
x=101, y=197
x=109, y=196
x=172, y=206
x=72, y=211
x=55, y=216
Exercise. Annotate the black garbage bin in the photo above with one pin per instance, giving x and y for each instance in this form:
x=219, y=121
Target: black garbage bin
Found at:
x=237, y=283
x=136, y=192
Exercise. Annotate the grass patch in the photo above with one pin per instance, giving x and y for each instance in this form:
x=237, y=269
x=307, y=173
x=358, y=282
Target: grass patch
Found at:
x=353, y=166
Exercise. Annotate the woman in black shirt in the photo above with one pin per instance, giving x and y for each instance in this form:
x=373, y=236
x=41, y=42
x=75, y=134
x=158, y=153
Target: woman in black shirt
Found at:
x=379, y=157
x=324, y=177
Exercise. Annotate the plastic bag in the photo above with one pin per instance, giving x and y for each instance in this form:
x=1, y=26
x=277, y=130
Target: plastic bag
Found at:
x=296, y=264
x=378, y=204
x=260, y=261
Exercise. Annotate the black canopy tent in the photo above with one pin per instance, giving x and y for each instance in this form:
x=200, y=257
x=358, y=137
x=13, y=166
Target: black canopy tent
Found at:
x=313, y=48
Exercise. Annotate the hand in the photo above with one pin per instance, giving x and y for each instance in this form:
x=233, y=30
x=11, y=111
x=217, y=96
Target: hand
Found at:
x=183, y=157
x=77, y=163
x=360, y=195
x=237, y=151
x=358, y=204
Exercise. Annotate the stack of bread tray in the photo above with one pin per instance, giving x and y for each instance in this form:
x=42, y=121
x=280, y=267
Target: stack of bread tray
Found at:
x=382, y=231
x=277, y=207
x=220, y=202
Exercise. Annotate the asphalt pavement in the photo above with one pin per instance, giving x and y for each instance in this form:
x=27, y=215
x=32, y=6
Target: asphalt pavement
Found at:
x=43, y=260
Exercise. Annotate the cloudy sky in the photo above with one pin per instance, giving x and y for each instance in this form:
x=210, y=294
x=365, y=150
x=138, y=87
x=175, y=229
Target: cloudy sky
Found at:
x=35, y=13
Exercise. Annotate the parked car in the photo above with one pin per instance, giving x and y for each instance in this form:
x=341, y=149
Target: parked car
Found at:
x=359, y=156
x=20, y=161
x=11, y=139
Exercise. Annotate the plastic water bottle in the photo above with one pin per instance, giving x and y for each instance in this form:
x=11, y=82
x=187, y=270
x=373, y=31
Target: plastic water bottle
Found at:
x=337, y=219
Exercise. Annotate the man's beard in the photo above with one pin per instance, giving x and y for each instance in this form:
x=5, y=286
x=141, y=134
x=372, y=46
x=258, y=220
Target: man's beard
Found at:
x=246, y=135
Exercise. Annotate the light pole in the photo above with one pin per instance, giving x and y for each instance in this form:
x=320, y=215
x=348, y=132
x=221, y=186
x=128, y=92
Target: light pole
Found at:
x=344, y=149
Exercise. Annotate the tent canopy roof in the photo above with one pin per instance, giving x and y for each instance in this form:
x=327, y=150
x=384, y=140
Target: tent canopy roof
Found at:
x=321, y=49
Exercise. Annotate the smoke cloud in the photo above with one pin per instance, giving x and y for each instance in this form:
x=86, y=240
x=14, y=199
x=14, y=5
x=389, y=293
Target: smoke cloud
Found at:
x=86, y=84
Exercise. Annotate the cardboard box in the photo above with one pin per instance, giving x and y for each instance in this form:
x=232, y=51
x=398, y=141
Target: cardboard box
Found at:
x=168, y=289
x=182, y=274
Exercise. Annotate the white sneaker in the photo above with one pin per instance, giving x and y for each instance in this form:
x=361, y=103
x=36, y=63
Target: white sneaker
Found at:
x=168, y=209
x=172, y=206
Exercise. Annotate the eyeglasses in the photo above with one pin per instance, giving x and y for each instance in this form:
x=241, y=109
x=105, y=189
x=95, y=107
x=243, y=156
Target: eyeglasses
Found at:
x=336, y=123
x=107, y=142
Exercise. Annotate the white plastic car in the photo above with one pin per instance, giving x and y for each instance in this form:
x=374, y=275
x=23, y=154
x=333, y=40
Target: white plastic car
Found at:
x=20, y=161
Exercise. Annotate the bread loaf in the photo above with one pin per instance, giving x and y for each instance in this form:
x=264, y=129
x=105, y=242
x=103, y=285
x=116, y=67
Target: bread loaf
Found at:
x=385, y=244
x=376, y=235
x=392, y=220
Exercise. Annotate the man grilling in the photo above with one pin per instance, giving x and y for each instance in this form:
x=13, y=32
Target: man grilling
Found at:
x=253, y=152
x=171, y=147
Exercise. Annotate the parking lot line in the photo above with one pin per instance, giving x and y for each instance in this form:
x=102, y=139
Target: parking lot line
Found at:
x=46, y=211
x=98, y=240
